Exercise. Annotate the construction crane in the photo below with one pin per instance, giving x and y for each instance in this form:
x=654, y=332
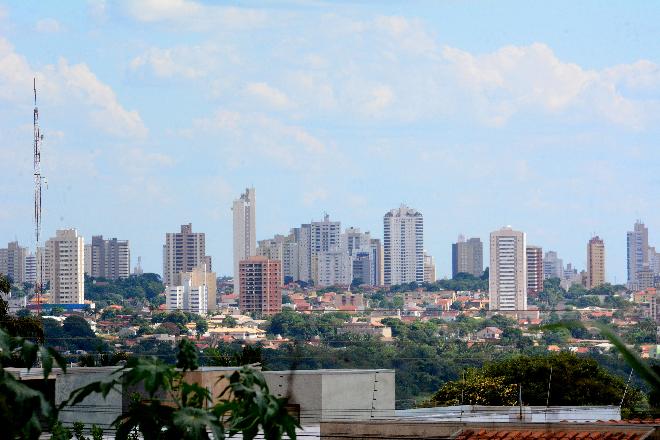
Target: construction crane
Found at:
x=38, y=178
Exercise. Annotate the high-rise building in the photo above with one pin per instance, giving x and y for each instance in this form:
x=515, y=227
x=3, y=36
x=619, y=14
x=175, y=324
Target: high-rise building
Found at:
x=353, y=241
x=534, y=270
x=245, y=235
x=553, y=266
x=508, y=270
x=377, y=269
x=638, y=251
x=200, y=276
x=12, y=262
x=182, y=252
x=261, y=288
x=429, y=268
x=595, y=262
x=403, y=246
x=285, y=249
x=362, y=268
x=31, y=269
x=65, y=266
x=189, y=297
x=467, y=257
x=312, y=239
x=109, y=259
x=335, y=268
x=137, y=270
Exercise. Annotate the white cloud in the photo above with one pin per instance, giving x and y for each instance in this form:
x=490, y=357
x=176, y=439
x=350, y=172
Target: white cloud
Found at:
x=393, y=68
x=48, y=25
x=315, y=195
x=269, y=95
x=253, y=135
x=97, y=8
x=68, y=85
x=190, y=62
x=193, y=15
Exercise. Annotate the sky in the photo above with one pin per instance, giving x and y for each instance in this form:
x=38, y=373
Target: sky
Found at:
x=155, y=113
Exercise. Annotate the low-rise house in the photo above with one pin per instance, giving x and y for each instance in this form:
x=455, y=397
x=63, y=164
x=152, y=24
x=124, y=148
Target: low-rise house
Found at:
x=373, y=328
x=490, y=334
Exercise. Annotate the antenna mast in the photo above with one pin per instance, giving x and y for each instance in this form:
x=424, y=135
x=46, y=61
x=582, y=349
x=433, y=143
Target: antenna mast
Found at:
x=38, y=137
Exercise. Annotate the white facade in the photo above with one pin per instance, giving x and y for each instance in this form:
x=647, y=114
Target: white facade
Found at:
x=353, y=241
x=189, y=298
x=312, y=239
x=31, y=268
x=403, y=246
x=65, y=267
x=508, y=270
x=638, y=251
x=334, y=268
x=245, y=235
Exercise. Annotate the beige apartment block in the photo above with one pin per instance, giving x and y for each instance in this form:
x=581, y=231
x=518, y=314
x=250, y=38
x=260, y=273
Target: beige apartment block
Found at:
x=595, y=262
x=508, y=271
x=65, y=266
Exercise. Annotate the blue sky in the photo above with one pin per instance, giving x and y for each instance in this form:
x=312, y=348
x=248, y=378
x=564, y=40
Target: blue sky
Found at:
x=479, y=114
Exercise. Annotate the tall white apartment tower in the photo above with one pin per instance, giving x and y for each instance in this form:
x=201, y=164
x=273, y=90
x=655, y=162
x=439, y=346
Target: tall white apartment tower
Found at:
x=403, y=246
x=245, y=236
x=638, y=250
x=507, y=284
x=65, y=267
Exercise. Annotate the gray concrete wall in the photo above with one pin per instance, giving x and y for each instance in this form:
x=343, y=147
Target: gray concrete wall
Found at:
x=94, y=409
x=336, y=394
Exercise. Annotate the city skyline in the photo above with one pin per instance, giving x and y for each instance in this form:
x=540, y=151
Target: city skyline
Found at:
x=447, y=140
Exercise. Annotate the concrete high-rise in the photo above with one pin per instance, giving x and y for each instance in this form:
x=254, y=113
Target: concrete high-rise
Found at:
x=534, y=255
x=261, y=288
x=245, y=235
x=429, y=268
x=377, y=269
x=65, y=267
x=189, y=297
x=595, y=262
x=285, y=249
x=312, y=239
x=508, y=270
x=200, y=276
x=362, y=268
x=12, y=262
x=31, y=269
x=182, y=252
x=638, y=251
x=553, y=266
x=403, y=237
x=353, y=241
x=109, y=259
x=335, y=268
x=467, y=257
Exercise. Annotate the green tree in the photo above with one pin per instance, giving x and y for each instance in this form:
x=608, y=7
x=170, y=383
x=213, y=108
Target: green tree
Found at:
x=577, y=381
x=230, y=322
x=21, y=407
x=476, y=389
x=201, y=326
x=245, y=407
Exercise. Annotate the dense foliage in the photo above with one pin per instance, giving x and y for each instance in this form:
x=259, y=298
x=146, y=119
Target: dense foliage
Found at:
x=73, y=334
x=148, y=286
x=245, y=407
x=572, y=380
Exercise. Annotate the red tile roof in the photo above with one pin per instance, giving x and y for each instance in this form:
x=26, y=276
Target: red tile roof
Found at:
x=485, y=434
